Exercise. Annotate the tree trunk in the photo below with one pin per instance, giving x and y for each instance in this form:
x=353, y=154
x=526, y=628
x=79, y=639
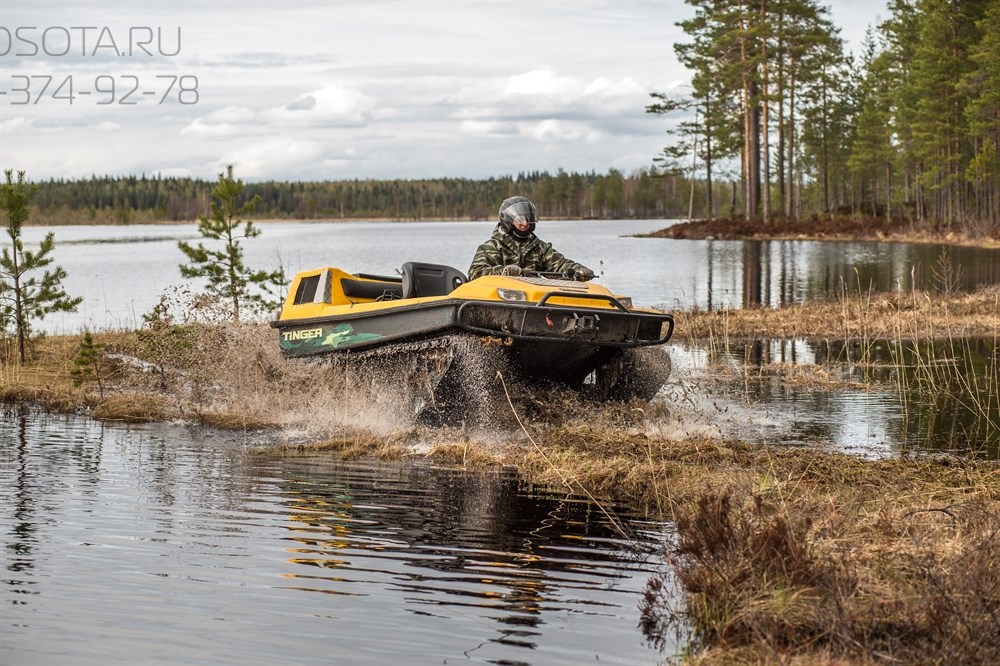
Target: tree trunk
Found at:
x=780, y=166
x=755, y=180
x=790, y=168
x=708, y=160
x=888, y=192
x=18, y=308
x=826, y=156
x=694, y=163
x=750, y=149
x=765, y=104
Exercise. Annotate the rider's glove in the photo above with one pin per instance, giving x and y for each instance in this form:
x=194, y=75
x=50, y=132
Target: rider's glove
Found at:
x=511, y=270
x=582, y=274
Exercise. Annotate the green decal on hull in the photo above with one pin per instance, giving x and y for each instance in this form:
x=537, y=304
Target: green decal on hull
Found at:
x=319, y=339
x=344, y=336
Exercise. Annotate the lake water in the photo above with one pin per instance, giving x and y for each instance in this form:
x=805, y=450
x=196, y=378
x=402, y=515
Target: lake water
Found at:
x=121, y=271
x=166, y=545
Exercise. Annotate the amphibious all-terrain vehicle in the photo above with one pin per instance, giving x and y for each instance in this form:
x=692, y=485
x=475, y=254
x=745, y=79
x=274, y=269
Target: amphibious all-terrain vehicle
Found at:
x=543, y=328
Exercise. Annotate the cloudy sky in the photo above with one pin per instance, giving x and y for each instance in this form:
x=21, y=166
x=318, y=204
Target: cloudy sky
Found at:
x=331, y=90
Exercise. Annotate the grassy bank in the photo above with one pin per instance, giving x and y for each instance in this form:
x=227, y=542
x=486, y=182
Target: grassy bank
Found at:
x=899, y=315
x=834, y=227
x=777, y=554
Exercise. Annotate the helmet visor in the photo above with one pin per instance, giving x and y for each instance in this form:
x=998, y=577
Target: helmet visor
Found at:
x=520, y=213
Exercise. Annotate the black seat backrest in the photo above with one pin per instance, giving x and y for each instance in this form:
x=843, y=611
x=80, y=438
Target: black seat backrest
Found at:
x=430, y=279
x=383, y=290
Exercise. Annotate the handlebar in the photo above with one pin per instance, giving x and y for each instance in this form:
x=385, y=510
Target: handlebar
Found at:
x=552, y=275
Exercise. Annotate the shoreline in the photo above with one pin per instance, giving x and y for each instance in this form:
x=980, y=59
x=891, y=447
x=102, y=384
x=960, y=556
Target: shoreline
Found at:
x=842, y=229
x=835, y=229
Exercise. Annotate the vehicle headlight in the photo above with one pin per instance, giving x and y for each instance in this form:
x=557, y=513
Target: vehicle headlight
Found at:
x=511, y=294
x=625, y=300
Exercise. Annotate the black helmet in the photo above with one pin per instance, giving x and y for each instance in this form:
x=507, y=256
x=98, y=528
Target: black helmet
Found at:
x=514, y=209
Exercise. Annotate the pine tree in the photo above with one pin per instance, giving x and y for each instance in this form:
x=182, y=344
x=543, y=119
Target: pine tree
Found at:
x=24, y=298
x=227, y=274
x=873, y=150
x=983, y=115
x=948, y=32
x=902, y=34
x=87, y=363
x=751, y=61
x=713, y=56
x=812, y=102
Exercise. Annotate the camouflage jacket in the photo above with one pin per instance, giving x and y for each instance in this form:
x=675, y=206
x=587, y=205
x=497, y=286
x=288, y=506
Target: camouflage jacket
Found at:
x=532, y=254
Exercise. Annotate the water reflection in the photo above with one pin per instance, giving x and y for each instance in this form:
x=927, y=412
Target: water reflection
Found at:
x=194, y=549
x=485, y=542
x=877, y=396
x=779, y=273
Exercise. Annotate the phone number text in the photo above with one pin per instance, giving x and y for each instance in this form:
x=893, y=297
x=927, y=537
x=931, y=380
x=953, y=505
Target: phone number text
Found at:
x=124, y=89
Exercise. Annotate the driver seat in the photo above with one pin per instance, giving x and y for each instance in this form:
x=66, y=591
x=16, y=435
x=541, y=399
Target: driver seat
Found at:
x=421, y=279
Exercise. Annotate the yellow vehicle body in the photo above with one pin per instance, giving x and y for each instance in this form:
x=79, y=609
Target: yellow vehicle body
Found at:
x=555, y=329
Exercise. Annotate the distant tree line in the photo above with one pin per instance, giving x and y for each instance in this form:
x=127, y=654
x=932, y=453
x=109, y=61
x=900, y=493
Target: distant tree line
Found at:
x=794, y=126
x=646, y=193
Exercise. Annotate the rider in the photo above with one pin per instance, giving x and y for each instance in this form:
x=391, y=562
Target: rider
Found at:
x=514, y=247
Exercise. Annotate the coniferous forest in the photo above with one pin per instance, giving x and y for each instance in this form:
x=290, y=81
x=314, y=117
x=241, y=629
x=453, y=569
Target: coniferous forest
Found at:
x=646, y=193
x=779, y=121
x=784, y=123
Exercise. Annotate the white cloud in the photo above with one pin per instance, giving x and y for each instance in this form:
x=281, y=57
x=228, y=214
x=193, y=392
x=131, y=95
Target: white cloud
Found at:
x=487, y=127
x=224, y=123
x=475, y=112
x=557, y=130
x=330, y=106
x=175, y=172
x=205, y=129
x=541, y=82
x=384, y=113
x=108, y=126
x=271, y=157
x=547, y=92
x=603, y=87
x=16, y=123
x=231, y=114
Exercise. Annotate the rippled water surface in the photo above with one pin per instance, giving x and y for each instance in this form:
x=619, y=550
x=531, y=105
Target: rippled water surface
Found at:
x=881, y=399
x=164, y=545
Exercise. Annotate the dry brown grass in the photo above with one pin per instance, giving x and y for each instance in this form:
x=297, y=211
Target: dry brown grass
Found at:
x=915, y=315
x=837, y=560
x=131, y=408
x=45, y=379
